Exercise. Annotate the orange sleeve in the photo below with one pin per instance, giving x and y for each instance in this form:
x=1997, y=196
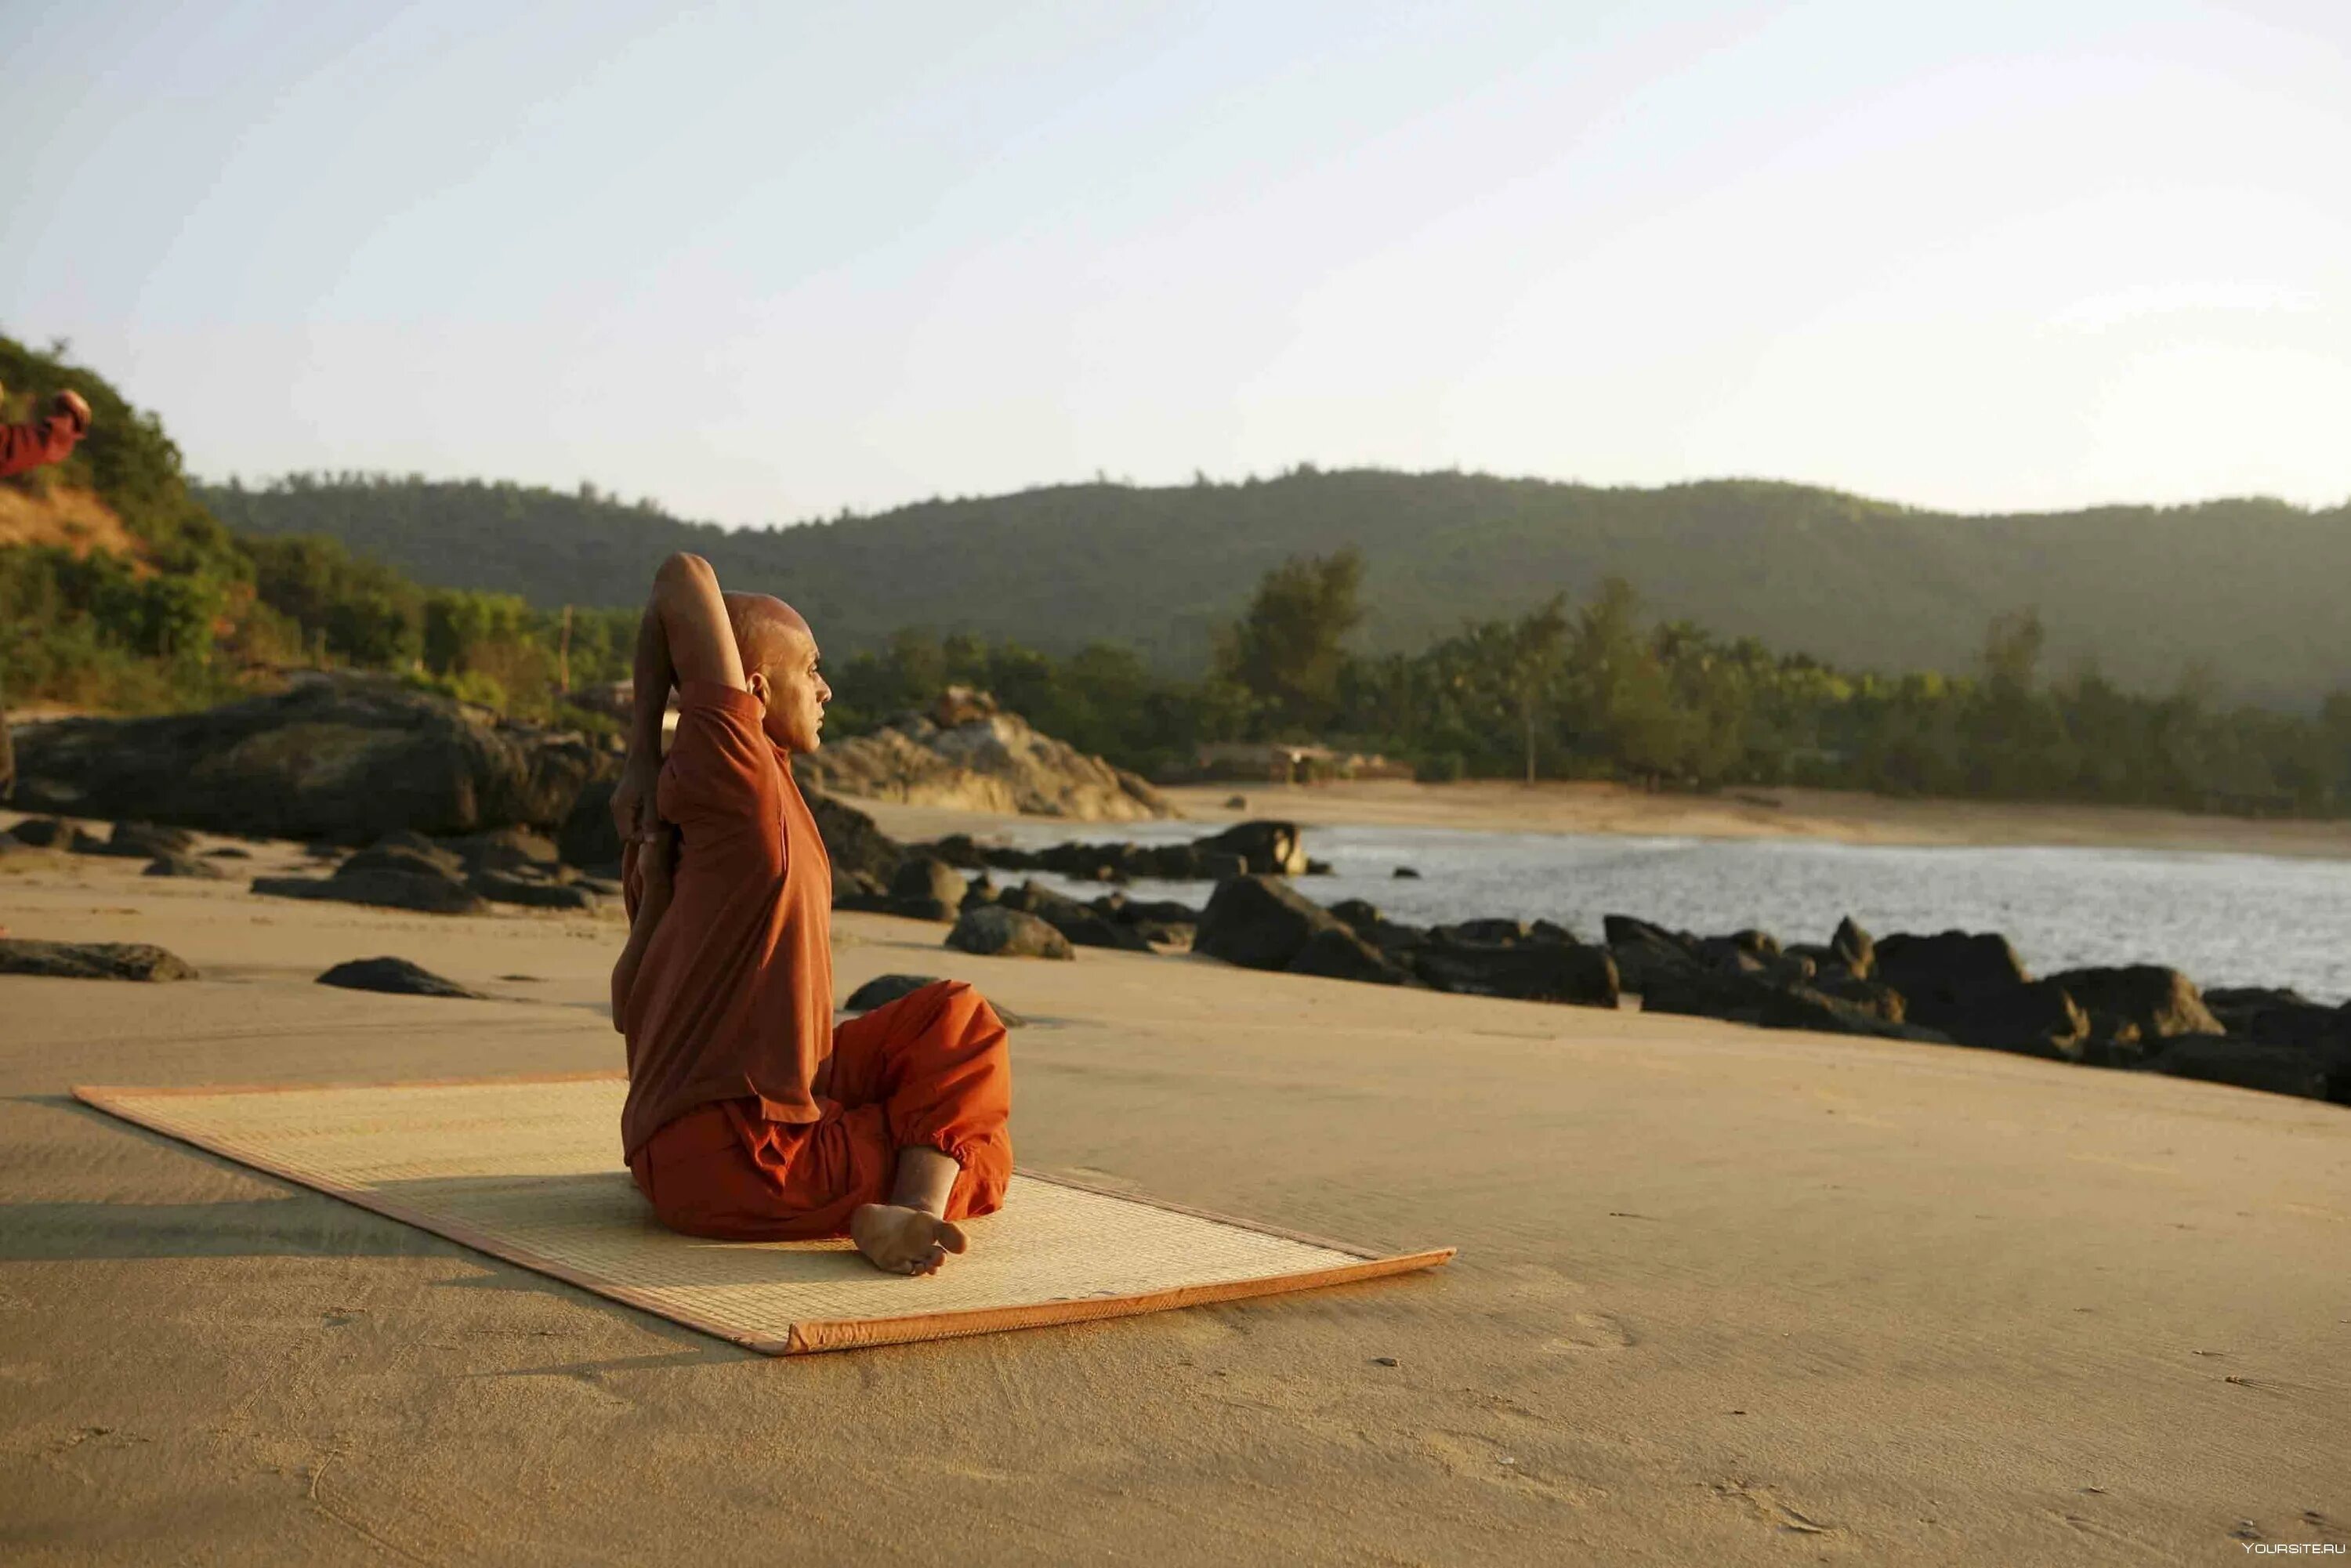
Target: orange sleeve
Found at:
x=24, y=447
x=721, y=771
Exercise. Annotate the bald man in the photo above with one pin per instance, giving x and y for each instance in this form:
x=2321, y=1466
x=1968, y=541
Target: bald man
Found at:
x=749, y=1116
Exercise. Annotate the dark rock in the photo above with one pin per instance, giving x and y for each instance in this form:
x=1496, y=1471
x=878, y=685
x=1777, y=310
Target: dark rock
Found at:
x=1853, y=947
x=884, y=988
x=2132, y=1006
x=1533, y=971
x=91, y=960
x=1086, y=926
x=1176, y=934
x=2037, y=1019
x=1492, y=932
x=184, y=866
x=1236, y=802
x=1317, y=868
x=432, y=894
x=1267, y=849
x=2252, y=1064
x=503, y=887
x=1644, y=951
x=957, y=850
x=1749, y=998
x=43, y=834
x=587, y=835
x=145, y=841
x=852, y=840
x=1259, y=922
x=982, y=890
x=1336, y=952
x=1008, y=932
x=228, y=852
x=506, y=850
x=325, y=852
x=344, y=757
x=1359, y=914
x=1872, y=997
x=1949, y=965
x=1220, y=865
x=395, y=854
x=396, y=977
x=2279, y=1017
x=926, y=888
x=1403, y=871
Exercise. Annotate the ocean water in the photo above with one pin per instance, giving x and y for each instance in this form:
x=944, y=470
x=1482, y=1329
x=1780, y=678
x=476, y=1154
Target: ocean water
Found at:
x=2223, y=919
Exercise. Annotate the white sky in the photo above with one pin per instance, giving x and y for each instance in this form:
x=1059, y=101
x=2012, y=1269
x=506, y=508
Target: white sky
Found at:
x=765, y=261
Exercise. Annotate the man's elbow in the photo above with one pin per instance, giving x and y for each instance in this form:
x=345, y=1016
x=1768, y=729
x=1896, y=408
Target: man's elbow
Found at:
x=684, y=572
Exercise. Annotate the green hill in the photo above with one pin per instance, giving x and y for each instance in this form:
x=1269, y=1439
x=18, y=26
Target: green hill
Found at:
x=2246, y=592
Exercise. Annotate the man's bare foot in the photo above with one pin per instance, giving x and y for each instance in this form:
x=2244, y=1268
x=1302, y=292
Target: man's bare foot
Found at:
x=899, y=1240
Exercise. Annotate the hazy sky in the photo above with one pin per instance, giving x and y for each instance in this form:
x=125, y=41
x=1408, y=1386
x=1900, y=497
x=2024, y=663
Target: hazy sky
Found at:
x=765, y=261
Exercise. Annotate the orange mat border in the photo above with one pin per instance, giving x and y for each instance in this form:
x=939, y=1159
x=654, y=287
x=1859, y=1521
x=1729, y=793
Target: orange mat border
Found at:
x=805, y=1338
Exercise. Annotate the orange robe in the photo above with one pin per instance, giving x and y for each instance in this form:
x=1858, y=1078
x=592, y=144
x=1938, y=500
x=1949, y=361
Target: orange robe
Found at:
x=929, y=1069
x=750, y=1115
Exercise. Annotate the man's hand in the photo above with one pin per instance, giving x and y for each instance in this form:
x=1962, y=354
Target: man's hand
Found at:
x=70, y=403
x=635, y=815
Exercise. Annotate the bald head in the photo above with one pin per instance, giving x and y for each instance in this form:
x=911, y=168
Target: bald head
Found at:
x=769, y=632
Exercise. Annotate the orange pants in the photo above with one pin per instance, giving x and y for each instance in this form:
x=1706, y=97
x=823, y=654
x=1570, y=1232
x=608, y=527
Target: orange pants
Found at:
x=930, y=1070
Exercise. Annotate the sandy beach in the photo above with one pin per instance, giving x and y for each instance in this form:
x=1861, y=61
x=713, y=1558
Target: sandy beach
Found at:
x=1723, y=1295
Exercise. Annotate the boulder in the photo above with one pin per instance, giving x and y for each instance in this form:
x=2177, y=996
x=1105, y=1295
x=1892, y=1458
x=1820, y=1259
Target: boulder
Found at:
x=1266, y=848
x=587, y=836
x=1853, y=947
x=1336, y=952
x=346, y=757
x=184, y=866
x=228, y=852
x=43, y=832
x=926, y=888
x=383, y=889
x=2037, y=1019
x=1530, y=971
x=1747, y=999
x=91, y=960
x=1259, y=922
x=1218, y=865
x=2272, y=1017
x=139, y=840
x=508, y=887
x=1489, y=931
x=1403, y=871
x=957, y=850
x=1643, y=951
x=1359, y=914
x=507, y=848
x=1008, y=932
x=1086, y=926
x=852, y=840
x=408, y=854
x=2253, y=1064
x=1949, y=965
x=885, y=988
x=396, y=977
x=2132, y=1006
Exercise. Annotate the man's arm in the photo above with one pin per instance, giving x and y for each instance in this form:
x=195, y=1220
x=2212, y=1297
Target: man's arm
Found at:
x=51, y=440
x=684, y=636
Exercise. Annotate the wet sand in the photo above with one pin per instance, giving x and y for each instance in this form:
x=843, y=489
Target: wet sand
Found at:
x=1723, y=1295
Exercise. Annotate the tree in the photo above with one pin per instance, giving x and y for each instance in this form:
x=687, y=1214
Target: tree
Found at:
x=1285, y=648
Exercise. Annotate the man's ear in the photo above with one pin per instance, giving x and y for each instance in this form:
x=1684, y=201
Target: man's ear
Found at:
x=756, y=683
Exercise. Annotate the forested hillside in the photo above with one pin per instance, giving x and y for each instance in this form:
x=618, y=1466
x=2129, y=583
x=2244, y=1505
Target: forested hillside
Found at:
x=2244, y=596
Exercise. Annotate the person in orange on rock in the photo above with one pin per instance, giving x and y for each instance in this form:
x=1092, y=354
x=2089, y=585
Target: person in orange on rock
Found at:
x=24, y=447
x=749, y=1116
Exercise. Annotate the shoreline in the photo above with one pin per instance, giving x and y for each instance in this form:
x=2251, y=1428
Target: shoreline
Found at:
x=1614, y=810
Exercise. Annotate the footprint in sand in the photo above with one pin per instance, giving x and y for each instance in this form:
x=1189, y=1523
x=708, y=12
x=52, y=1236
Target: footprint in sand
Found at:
x=1591, y=1331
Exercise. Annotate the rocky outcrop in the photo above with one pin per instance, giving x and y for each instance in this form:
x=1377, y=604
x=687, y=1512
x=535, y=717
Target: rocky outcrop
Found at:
x=426, y=894
x=2133, y=1009
x=1534, y=971
x=342, y=757
x=1260, y=922
x=1081, y=924
x=92, y=960
x=965, y=754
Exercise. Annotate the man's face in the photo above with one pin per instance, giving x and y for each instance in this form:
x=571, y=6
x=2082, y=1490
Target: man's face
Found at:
x=793, y=687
